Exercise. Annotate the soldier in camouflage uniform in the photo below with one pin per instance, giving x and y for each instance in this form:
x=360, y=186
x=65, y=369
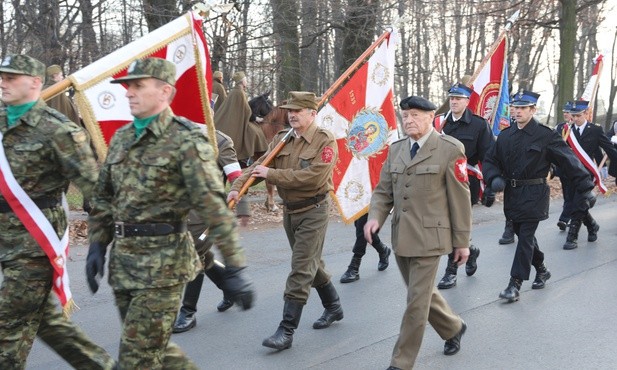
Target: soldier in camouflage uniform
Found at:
x=158, y=168
x=45, y=151
x=302, y=172
x=214, y=270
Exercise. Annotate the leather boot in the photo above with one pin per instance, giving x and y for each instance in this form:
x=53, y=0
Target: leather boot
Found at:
x=508, y=233
x=449, y=278
x=352, y=273
x=471, y=266
x=562, y=225
x=384, y=257
x=216, y=274
x=572, y=238
x=332, y=304
x=511, y=292
x=592, y=228
x=283, y=337
x=542, y=275
x=186, y=318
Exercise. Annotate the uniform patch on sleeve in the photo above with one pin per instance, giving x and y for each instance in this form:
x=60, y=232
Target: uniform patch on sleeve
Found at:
x=460, y=170
x=327, y=154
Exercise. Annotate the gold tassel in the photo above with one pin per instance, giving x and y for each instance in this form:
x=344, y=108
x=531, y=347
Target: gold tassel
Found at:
x=69, y=308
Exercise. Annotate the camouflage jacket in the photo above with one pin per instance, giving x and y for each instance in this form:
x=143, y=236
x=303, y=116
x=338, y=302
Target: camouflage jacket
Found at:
x=158, y=178
x=45, y=151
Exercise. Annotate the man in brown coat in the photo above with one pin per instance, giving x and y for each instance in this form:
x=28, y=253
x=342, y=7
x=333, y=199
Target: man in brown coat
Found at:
x=61, y=102
x=218, y=90
x=425, y=180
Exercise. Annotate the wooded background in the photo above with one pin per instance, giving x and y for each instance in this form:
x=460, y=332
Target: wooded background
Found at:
x=288, y=45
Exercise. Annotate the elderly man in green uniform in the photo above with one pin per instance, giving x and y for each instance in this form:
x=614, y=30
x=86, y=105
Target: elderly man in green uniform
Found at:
x=158, y=168
x=218, y=90
x=302, y=173
x=424, y=182
x=42, y=151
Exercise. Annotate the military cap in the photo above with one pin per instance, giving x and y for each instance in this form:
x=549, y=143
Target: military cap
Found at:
x=53, y=69
x=579, y=106
x=158, y=68
x=23, y=65
x=217, y=74
x=525, y=98
x=417, y=102
x=300, y=100
x=460, y=90
x=567, y=107
x=238, y=76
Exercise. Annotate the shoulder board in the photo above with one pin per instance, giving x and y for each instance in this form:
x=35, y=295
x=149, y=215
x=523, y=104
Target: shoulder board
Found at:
x=185, y=122
x=325, y=131
x=54, y=113
x=479, y=117
x=545, y=127
x=399, y=140
x=450, y=139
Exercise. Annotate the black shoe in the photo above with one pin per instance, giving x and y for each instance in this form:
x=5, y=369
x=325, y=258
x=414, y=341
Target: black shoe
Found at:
x=393, y=368
x=453, y=345
x=592, y=235
x=224, y=305
x=185, y=322
x=511, y=292
x=471, y=266
x=384, y=259
x=562, y=225
x=447, y=281
x=572, y=238
x=508, y=234
x=542, y=275
x=281, y=339
x=350, y=276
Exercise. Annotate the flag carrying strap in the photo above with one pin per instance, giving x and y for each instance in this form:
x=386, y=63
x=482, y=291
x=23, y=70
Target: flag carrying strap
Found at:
x=40, y=229
x=584, y=157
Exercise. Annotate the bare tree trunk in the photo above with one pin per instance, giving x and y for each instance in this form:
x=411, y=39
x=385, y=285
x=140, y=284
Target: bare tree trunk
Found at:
x=243, y=33
x=159, y=12
x=567, y=41
x=310, y=47
x=285, y=27
x=359, y=30
x=90, y=48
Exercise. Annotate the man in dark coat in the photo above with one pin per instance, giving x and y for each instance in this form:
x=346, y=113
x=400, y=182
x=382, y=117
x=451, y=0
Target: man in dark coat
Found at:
x=519, y=163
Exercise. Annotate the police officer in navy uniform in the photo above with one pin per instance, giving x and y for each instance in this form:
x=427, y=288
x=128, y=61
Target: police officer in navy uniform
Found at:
x=591, y=138
x=564, y=218
x=476, y=135
x=519, y=163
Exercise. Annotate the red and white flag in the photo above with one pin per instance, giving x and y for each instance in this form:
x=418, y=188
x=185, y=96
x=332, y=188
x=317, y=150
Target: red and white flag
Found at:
x=104, y=106
x=589, y=163
x=592, y=86
x=362, y=118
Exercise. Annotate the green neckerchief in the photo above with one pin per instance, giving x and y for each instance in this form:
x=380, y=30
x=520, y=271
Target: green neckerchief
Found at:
x=141, y=123
x=14, y=112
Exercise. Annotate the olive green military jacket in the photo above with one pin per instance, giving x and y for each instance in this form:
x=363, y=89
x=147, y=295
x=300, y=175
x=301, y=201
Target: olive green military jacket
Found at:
x=428, y=196
x=303, y=168
x=45, y=151
x=158, y=178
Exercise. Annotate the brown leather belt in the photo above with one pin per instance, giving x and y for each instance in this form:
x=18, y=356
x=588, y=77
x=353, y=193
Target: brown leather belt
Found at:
x=42, y=203
x=123, y=229
x=292, y=206
x=516, y=183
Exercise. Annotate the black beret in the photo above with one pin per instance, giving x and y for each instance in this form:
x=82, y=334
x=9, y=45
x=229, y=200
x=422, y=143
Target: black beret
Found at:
x=417, y=102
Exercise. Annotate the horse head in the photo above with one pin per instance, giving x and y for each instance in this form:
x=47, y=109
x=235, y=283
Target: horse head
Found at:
x=260, y=105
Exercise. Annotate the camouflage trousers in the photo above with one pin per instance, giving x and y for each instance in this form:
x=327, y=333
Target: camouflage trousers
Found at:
x=148, y=316
x=27, y=308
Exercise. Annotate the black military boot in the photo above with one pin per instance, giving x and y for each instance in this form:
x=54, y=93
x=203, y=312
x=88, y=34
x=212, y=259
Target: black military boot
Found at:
x=283, y=336
x=449, y=278
x=562, y=225
x=508, y=233
x=511, y=291
x=472, y=265
x=216, y=275
x=352, y=273
x=186, y=318
x=332, y=304
x=542, y=275
x=384, y=257
x=592, y=228
x=572, y=238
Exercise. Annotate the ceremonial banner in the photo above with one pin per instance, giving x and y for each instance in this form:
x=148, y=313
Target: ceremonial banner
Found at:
x=104, y=106
x=592, y=86
x=362, y=118
x=490, y=98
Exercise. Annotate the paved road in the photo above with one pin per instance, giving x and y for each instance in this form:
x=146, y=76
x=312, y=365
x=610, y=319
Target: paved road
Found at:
x=569, y=325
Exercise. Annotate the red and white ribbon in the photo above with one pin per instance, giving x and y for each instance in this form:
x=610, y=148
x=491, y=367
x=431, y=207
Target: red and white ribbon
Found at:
x=584, y=157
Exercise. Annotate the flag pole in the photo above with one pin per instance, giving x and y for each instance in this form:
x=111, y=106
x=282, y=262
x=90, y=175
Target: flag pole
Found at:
x=55, y=89
x=352, y=68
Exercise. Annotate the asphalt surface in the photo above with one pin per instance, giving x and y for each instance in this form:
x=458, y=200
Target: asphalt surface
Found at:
x=568, y=325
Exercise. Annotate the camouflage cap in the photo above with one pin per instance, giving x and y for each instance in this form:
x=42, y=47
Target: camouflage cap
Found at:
x=300, y=100
x=158, y=68
x=21, y=64
x=238, y=76
x=53, y=69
